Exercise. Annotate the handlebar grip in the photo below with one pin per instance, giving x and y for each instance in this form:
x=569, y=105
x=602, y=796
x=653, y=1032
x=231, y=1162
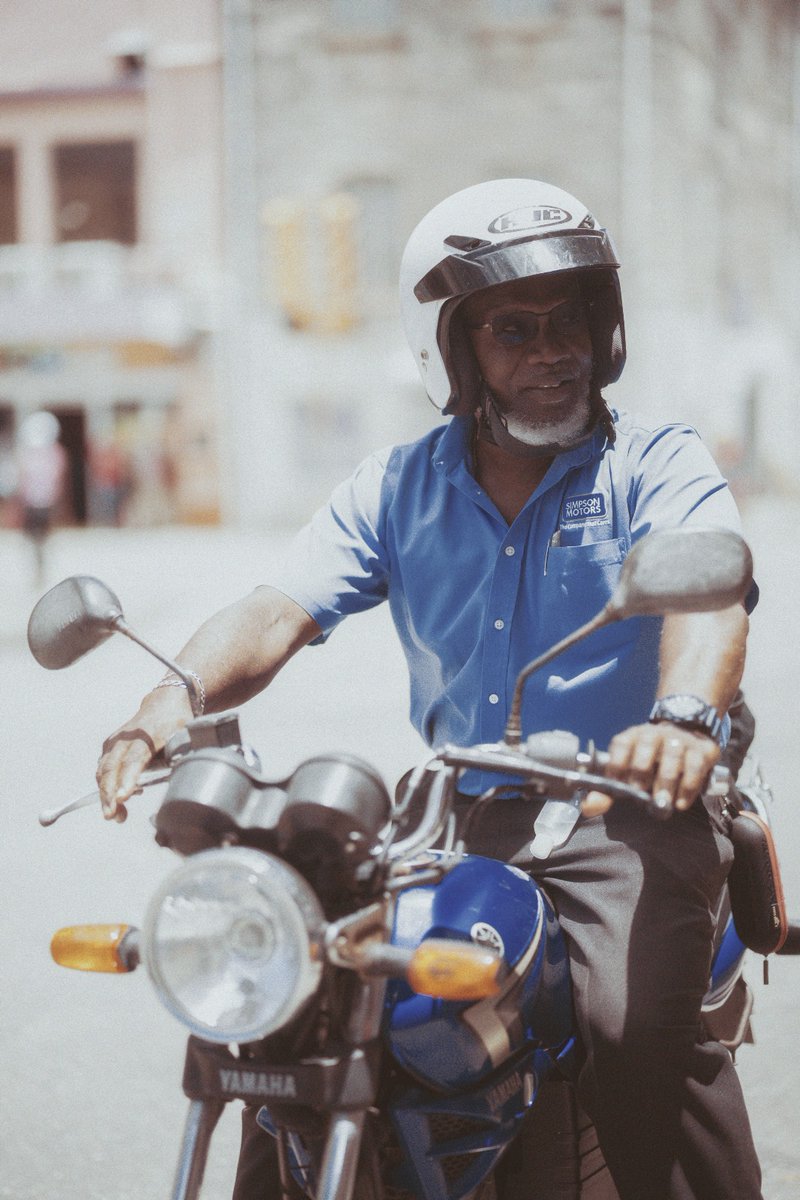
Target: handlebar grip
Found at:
x=718, y=785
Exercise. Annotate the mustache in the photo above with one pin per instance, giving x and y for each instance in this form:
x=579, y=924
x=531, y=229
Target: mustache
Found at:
x=565, y=371
x=551, y=379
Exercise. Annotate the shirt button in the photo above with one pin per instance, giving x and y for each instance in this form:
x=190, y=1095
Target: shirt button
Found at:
x=499, y=624
x=510, y=551
x=494, y=698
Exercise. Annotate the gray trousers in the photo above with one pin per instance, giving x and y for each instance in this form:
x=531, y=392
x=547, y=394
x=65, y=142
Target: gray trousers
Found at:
x=635, y=898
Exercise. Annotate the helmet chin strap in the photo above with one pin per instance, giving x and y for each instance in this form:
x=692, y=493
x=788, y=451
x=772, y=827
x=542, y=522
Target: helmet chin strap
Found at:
x=493, y=427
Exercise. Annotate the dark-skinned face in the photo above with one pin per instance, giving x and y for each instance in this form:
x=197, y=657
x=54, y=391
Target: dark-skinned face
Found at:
x=538, y=370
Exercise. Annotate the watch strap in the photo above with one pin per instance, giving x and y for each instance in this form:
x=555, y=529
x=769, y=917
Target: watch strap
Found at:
x=704, y=718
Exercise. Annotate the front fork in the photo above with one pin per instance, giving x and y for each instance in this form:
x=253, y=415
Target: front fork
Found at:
x=201, y=1121
x=345, y=1130
x=340, y=1161
x=339, y=1166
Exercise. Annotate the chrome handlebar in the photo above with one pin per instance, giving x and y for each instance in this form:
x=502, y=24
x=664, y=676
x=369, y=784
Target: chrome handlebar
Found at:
x=558, y=770
x=552, y=765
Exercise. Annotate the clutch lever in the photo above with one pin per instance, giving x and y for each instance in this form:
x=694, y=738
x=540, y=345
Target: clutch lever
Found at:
x=147, y=779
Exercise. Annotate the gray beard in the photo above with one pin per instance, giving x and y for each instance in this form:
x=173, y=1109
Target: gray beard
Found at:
x=536, y=439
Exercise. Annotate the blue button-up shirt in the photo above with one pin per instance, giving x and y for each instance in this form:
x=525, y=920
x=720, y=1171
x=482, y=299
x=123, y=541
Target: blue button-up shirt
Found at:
x=474, y=599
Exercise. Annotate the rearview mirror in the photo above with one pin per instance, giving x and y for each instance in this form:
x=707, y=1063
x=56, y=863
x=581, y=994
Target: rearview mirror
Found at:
x=668, y=571
x=78, y=614
x=682, y=570
x=71, y=619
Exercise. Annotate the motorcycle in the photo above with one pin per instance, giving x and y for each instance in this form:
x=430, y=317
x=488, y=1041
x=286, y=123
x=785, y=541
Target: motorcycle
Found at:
x=395, y=1012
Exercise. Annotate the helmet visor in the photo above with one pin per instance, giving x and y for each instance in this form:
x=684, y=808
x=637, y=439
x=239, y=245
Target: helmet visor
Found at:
x=458, y=275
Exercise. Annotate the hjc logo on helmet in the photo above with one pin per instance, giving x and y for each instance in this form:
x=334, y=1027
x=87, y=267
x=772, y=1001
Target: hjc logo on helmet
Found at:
x=530, y=217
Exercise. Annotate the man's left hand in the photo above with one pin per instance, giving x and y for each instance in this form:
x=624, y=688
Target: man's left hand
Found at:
x=670, y=762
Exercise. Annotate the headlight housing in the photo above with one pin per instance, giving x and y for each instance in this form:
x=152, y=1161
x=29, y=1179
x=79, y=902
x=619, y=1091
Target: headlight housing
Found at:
x=232, y=941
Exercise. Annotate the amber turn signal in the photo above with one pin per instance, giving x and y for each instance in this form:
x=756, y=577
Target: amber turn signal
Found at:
x=454, y=970
x=95, y=948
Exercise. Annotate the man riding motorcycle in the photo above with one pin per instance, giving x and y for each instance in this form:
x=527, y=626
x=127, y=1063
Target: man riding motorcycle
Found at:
x=491, y=537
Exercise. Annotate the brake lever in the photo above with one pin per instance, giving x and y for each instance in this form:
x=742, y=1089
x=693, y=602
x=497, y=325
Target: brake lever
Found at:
x=718, y=785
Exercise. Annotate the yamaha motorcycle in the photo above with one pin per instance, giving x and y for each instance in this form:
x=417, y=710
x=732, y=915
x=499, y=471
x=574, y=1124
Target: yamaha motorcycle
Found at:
x=394, y=1012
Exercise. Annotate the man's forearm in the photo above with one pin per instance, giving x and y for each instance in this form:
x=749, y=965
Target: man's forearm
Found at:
x=236, y=653
x=239, y=650
x=703, y=654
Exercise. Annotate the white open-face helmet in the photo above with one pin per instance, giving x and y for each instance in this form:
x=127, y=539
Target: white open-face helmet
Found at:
x=494, y=233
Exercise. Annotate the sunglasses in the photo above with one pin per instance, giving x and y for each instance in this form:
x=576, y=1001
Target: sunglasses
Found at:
x=521, y=328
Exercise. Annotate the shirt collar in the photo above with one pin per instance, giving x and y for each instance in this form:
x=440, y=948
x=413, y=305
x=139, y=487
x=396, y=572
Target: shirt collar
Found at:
x=453, y=448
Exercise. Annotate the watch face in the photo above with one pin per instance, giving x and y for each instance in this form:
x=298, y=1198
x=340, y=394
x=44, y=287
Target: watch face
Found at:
x=689, y=711
x=685, y=707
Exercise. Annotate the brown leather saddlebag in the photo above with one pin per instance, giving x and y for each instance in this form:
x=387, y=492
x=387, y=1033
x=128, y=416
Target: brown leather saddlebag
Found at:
x=754, y=882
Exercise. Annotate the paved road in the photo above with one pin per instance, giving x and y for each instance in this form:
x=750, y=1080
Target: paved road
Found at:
x=91, y=1102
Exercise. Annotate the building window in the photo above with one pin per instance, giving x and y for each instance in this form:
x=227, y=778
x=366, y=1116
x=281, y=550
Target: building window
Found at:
x=326, y=432
x=520, y=12
x=95, y=187
x=8, y=197
x=377, y=224
x=354, y=16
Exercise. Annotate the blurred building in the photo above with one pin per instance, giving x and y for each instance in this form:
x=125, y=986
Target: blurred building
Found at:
x=675, y=121
x=110, y=238
x=203, y=205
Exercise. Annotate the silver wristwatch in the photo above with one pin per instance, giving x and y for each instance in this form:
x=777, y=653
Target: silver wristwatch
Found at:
x=690, y=712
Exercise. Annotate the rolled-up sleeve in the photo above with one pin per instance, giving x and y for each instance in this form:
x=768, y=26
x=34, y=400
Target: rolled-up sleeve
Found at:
x=676, y=482
x=337, y=564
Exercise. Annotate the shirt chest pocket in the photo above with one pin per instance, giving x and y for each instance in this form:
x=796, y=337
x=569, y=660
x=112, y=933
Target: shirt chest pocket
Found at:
x=578, y=582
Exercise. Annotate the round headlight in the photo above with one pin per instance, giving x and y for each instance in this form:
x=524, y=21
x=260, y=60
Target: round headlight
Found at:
x=231, y=941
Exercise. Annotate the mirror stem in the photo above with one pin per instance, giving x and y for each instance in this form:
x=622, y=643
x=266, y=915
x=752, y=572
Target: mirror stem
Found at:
x=122, y=626
x=513, y=731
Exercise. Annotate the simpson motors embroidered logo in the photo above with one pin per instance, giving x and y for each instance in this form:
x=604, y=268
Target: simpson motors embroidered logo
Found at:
x=533, y=216
x=582, y=508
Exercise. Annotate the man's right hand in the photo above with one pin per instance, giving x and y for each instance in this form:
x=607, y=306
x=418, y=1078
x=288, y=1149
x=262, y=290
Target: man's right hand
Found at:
x=127, y=752
x=242, y=648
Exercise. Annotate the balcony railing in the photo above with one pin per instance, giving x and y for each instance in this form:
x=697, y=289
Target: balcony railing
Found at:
x=96, y=291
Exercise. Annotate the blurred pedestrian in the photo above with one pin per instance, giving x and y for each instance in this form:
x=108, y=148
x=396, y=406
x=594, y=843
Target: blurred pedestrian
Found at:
x=110, y=481
x=42, y=469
